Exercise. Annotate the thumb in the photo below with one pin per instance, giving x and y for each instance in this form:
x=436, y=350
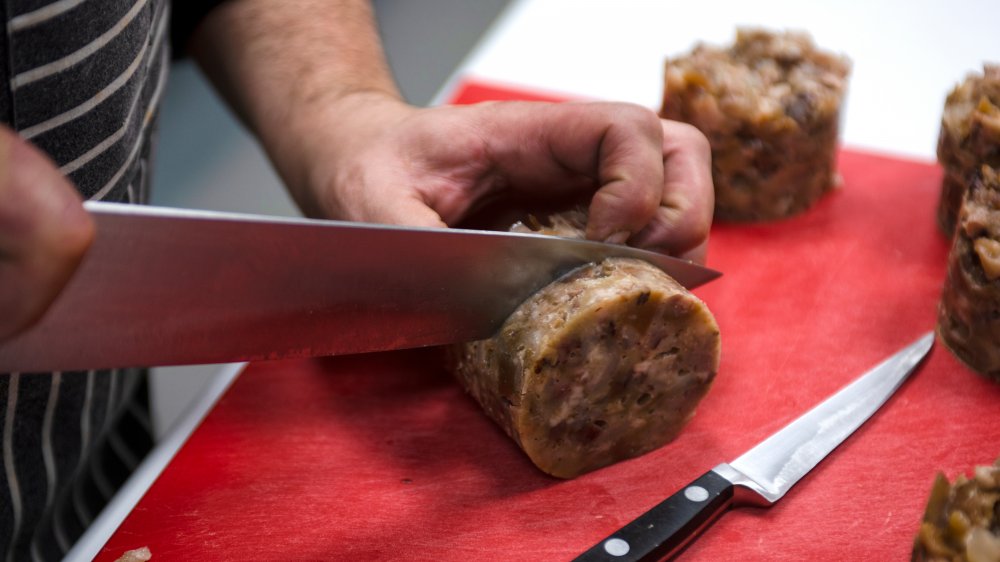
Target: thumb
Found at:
x=44, y=233
x=410, y=212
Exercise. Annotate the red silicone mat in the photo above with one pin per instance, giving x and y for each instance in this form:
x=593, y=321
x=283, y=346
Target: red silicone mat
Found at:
x=382, y=456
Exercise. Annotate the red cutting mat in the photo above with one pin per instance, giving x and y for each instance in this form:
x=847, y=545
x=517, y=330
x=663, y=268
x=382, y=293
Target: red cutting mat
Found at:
x=383, y=457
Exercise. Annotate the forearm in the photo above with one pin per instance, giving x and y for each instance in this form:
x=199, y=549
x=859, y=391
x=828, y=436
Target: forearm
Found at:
x=283, y=65
x=311, y=81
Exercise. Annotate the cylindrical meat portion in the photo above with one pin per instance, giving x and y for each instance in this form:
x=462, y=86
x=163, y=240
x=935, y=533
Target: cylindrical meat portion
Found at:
x=962, y=519
x=604, y=364
x=770, y=107
x=969, y=313
x=969, y=138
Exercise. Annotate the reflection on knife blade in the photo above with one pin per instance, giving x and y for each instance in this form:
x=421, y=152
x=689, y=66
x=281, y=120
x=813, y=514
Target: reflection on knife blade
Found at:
x=208, y=287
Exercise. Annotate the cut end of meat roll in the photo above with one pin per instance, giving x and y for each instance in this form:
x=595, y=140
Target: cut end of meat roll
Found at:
x=969, y=312
x=962, y=519
x=605, y=364
x=969, y=138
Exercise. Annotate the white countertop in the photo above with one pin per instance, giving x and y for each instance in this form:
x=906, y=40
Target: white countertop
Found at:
x=906, y=55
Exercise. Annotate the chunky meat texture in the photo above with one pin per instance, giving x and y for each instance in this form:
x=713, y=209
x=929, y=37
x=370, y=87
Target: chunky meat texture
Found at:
x=969, y=313
x=607, y=363
x=770, y=107
x=969, y=138
x=962, y=520
x=138, y=555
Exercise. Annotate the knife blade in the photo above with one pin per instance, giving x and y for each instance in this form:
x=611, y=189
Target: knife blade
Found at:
x=166, y=286
x=762, y=475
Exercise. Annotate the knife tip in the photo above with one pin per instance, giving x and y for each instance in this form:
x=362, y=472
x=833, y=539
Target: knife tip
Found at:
x=926, y=341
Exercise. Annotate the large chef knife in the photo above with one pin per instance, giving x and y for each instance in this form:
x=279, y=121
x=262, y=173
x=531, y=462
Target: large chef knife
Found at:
x=763, y=474
x=167, y=286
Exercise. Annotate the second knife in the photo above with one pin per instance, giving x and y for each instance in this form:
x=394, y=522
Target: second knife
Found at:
x=762, y=475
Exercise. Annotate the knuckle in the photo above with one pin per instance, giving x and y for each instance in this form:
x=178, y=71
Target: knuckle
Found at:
x=702, y=142
x=643, y=118
x=633, y=116
x=694, y=137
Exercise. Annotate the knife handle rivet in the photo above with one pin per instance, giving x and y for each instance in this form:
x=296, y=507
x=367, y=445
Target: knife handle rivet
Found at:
x=696, y=493
x=616, y=547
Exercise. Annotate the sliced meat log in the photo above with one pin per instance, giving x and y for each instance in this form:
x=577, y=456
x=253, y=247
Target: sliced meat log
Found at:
x=962, y=519
x=969, y=313
x=969, y=138
x=607, y=363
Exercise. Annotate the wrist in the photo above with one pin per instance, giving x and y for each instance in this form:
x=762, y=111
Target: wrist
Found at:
x=322, y=144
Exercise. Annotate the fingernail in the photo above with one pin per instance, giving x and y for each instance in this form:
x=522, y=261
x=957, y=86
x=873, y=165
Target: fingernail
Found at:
x=618, y=237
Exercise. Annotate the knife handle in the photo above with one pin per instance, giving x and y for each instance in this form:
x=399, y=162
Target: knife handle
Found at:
x=666, y=528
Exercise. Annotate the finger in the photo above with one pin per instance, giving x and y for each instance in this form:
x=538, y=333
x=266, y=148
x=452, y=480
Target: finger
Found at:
x=44, y=232
x=630, y=175
x=547, y=149
x=698, y=254
x=682, y=222
x=407, y=210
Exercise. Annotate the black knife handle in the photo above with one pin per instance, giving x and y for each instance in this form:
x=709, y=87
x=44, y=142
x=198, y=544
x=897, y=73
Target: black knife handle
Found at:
x=663, y=530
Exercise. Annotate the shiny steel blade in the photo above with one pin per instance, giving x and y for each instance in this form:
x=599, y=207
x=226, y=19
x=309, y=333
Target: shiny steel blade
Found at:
x=776, y=464
x=169, y=286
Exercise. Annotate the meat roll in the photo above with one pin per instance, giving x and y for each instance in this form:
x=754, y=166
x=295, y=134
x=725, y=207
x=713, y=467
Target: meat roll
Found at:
x=969, y=312
x=962, y=520
x=604, y=364
x=969, y=138
x=770, y=107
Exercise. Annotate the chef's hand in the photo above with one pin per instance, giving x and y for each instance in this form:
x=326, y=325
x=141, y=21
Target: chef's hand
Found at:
x=310, y=79
x=44, y=232
x=650, y=179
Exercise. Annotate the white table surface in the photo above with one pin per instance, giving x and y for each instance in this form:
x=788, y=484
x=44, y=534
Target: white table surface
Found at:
x=906, y=55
